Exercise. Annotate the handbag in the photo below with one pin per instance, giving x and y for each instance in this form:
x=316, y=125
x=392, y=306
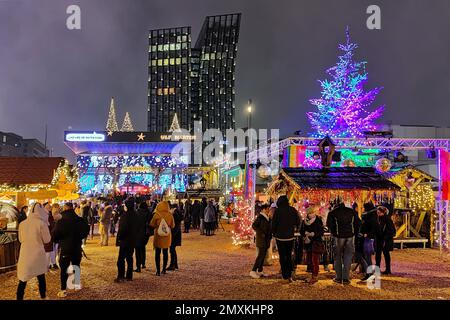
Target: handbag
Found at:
x=318, y=247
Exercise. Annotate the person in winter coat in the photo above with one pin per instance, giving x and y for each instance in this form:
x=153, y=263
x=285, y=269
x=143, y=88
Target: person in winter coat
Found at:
x=105, y=217
x=203, y=206
x=22, y=214
x=86, y=214
x=263, y=229
x=368, y=230
x=126, y=241
x=143, y=234
x=176, y=238
x=384, y=238
x=69, y=233
x=209, y=218
x=33, y=235
x=161, y=242
x=50, y=248
x=312, y=231
x=285, y=221
x=187, y=216
x=196, y=207
x=343, y=223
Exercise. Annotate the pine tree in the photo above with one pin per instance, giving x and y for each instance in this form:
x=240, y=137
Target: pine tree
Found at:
x=175, y=126
x=127, y=125
x=111, y=124
x=342, y=108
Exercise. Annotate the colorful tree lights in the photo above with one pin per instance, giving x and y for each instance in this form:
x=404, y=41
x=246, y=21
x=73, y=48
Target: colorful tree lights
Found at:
x=342, y=108
x=243, y=232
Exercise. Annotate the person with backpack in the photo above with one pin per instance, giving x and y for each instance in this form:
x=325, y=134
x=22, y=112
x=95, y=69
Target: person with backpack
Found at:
x=263, y=229
x=33, y=235
x=176, y=238
x=162, y=222
x=126, y=241
x=343, y=223
x=69, y=233
x=284, y=223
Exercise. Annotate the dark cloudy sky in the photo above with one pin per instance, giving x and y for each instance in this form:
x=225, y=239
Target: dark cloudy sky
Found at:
x=49, y=74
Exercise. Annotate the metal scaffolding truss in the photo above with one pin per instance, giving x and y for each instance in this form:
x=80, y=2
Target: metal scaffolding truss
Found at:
x=270, y=150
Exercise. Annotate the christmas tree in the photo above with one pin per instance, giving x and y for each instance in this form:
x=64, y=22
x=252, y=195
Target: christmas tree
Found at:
x=175, y=126
x=342, y=108
x=243, y=232
x=127, y=125
x=111, y=124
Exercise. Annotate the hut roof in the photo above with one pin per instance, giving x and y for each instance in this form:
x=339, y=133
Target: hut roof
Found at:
x=23, y=171
x=346, y=178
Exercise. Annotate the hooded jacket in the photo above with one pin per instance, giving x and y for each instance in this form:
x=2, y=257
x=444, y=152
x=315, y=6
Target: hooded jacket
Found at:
x=162, y=211
x=69, y=233
x=263, y=229
x=128, y=228
x=285, y=220
x=33, y=234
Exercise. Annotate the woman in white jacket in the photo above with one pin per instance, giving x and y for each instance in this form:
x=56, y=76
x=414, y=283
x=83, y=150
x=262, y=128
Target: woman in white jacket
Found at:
x=33, y=234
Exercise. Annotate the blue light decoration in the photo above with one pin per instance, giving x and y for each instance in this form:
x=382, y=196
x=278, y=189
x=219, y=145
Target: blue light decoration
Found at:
x=342, y=108
x=157, y=171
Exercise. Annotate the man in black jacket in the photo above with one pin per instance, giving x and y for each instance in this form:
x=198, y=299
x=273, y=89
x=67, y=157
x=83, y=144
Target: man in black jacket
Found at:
x=126, y=241
x=69, y=232
x=285, y=221
x=343, y=223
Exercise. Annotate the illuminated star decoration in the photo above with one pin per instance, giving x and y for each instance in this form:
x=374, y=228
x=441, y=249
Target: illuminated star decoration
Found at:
x=342, y=108
x=110, y=133
x=141, y=137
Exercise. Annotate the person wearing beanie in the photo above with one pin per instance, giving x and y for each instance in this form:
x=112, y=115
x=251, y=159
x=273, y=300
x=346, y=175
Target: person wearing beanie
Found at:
x=126, y=241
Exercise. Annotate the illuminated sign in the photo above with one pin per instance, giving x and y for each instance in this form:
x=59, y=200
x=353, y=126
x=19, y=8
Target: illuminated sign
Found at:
x=85, y=137
x=137, y=170
x=176, y=137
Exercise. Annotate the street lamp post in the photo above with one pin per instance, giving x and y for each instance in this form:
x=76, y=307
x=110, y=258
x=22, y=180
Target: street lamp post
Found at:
x=249, y=114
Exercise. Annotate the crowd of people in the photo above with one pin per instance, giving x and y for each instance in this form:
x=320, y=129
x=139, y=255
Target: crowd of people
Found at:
x=354, y=239
x=48, y=231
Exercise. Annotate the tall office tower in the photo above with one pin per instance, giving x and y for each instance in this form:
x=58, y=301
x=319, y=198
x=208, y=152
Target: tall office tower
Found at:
x=169, y=78
x=196, y=82
x=218, y=45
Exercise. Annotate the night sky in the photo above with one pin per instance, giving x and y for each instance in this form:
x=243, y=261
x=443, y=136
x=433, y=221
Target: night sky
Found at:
x=49, y=74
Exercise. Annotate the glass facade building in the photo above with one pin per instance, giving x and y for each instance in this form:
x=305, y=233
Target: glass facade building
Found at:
x=195, y=82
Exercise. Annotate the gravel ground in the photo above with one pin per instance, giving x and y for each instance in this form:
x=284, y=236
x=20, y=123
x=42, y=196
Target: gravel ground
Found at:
x=212, y=268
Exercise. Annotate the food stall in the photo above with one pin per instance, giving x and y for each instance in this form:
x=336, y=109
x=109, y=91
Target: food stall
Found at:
x=22, y=182
x=324, y=186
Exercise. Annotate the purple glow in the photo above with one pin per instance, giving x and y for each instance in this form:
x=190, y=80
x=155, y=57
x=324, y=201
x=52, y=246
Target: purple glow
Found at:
x=342, y=108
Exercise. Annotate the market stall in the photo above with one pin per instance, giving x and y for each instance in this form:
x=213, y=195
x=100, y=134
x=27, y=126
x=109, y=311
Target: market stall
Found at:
x=414, y=206
x=25, y=180
x=352, y=185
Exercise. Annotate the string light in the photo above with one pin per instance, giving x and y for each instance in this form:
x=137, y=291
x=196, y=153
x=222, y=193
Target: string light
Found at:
x=342, y=105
